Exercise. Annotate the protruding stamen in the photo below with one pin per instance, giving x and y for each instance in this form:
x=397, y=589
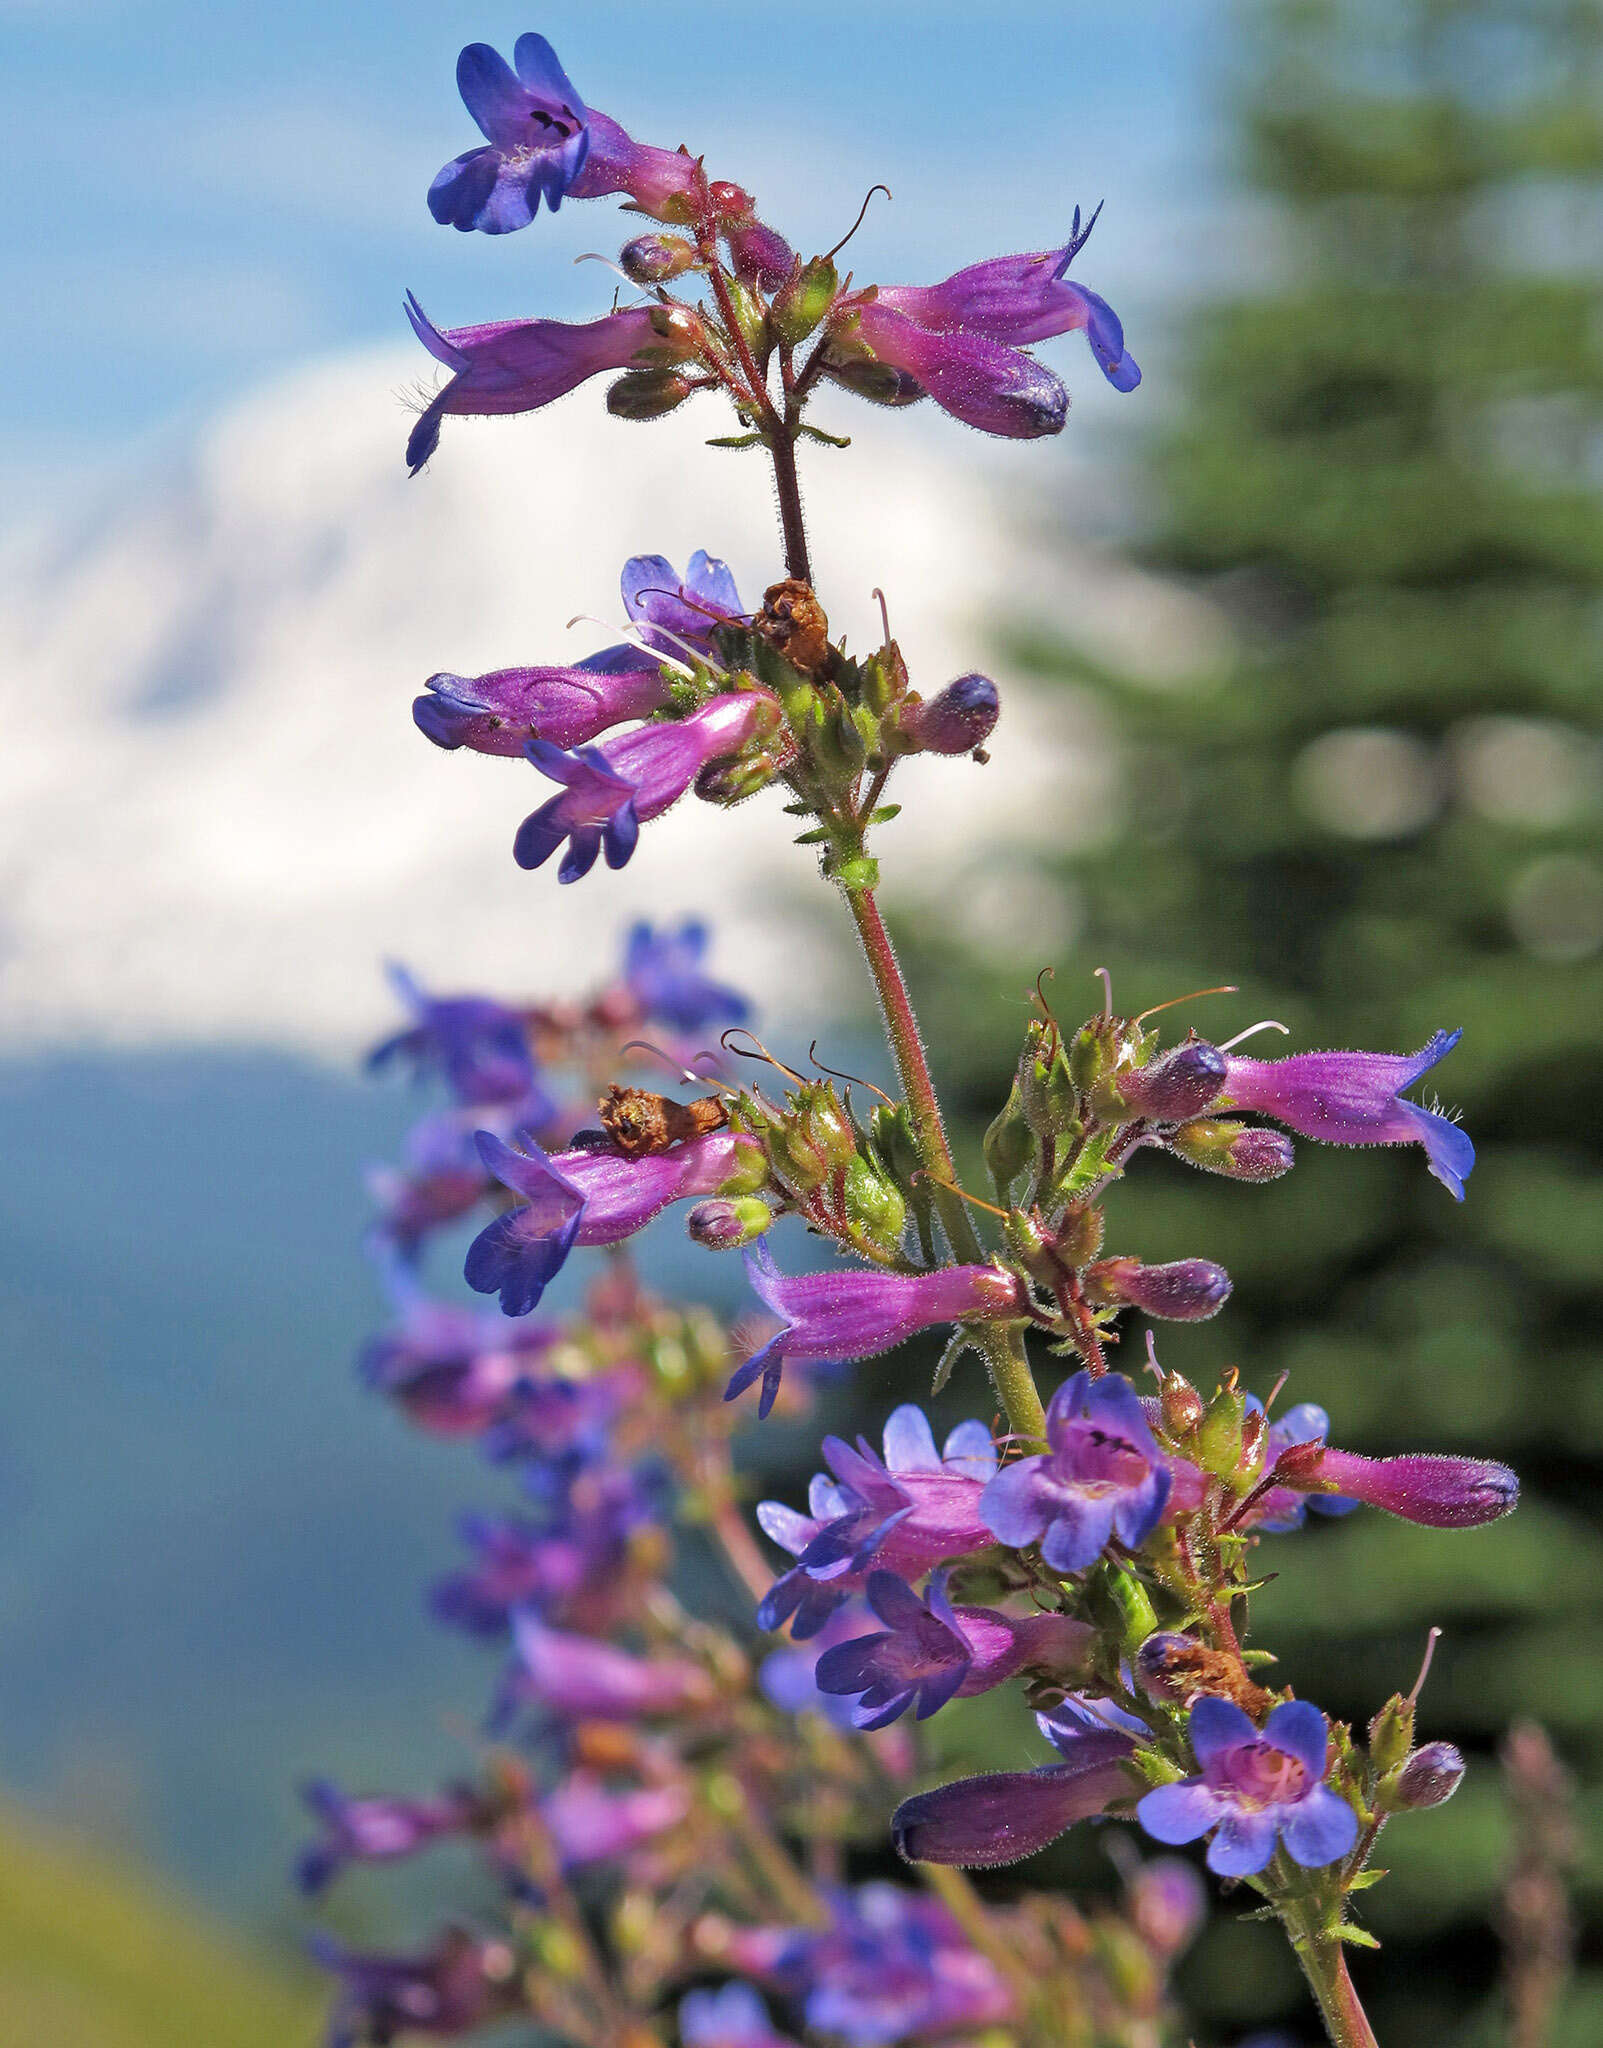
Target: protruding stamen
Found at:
x=1252, y=1030
x=1431, y=1641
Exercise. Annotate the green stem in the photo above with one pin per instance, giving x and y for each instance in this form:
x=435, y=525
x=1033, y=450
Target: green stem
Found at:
x=1001, y=1346
x=1324, y=1962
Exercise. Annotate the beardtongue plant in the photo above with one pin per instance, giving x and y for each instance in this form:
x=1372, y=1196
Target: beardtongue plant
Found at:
x=689, y=1825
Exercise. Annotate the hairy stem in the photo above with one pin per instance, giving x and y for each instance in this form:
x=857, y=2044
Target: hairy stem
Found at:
x=1001, y=1347
x=782, y=447
x=1324, y=1962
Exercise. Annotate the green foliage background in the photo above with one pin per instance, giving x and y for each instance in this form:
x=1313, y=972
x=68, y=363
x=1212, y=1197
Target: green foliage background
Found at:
x=1381, y=816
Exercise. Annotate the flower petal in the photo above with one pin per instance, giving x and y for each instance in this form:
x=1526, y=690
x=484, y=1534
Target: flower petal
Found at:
x=1319, y=1829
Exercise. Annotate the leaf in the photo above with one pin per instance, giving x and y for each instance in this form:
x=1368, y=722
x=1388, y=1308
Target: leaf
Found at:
x=1356, y=1937
x=829, y=440
x=949, y=1357
x=734, y=440
x=884, y=814
x=819, y=836
x=1365, y=1879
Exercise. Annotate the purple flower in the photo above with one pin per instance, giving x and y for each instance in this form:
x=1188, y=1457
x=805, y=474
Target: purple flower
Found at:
x=591, y=1824
x=1168, y=1904
x=853, y=1313
x=1178, y=1084
x=536, y=127
x=891, y=1967
x=375, y=1830
x=1420, y=1486
x=565, y=1566
x=479, y=1046
x=441, y=1178
x=1429, y=1777
x=932, y=1652
x=1355, y=1098
x=956, y=720
x=585, y=1198
x=1185, y=1291
x=609, y=791
x=585, y=1679
x=789, y=1675
x=501, y=712
x=519, y=365
x=663, y=970
x=1252, y=1787
x=1022, y=299
x=733, y=2016
x=458, y=1984
x=1003, y=1816
x=453, y=1372
x=981, y=382
x=669, y=609
x=1102, y=1477
x=913, y=1508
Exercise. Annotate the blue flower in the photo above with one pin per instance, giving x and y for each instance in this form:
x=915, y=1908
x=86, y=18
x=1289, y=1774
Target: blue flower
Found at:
x=537, y=131
x=664, y=972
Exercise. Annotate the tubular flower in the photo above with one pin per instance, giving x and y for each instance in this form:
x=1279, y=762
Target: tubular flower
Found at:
x=1003, y=1816
x=913, y=1508
x=1019, y=300
x=663, y=971
x=478, y=1046
x=375, y=1830
x=1355, y=1098
x=519, y=365
x=891, y=1967
x=1421, y=1486
x=585, y=1198
x=981, y=382
x=1252, y=1787
x=452, y=1372
x=932, y=1652
x=538, y=136
x=855, y=1313
x=501, y=712
x=582, y=1678
x=609, y=791
x=1283, y=1507
x=590, y=1824
x=1102, y=1477
x=669, y=609
x=458, y=1984
x=733, y=2016
x=563, y=1566
x=956, y=720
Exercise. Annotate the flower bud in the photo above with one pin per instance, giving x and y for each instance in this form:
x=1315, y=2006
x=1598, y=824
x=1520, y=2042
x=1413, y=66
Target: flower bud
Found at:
x=1186, y=1291
x=1079, y=1234
x=1430, y=1777
x=1177, y=1084
x=1391, y=1735
x=879, y=383
x=956, y=720
x=1238, y=1151
x=1183, y=1407
x=803, y=300
x=1009, y=1142
x=736, y=776
x=874, y=1202
x=759, y=254
x=655, y=259
x=1047, y=1092
x=647, y=394
x=751, y=320
x=724, y=1226
x=891, y=1131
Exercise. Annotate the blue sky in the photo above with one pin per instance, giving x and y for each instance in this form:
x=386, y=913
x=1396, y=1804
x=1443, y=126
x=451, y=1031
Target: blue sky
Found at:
x=213, y=192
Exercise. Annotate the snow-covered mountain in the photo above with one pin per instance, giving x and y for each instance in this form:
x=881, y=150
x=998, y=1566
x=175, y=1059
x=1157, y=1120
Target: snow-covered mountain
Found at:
x=216, y=815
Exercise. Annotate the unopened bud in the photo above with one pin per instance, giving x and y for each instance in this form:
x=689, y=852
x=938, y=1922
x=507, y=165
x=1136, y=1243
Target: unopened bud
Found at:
x=879, y=383
x=874, y=1203
x=655, y=259
x=803, y=300
x=1186, y=1291
x=1430, y=1777
x=1009, y=1143
x=647, y=394
x=1391, y=1735
x=1079, y=1234
x=724, y=1226
x=1177, y=1084
x=736, y=777
x=758, y=254
x=1238, y=1151
x=1183, y=1407
x=956, y=720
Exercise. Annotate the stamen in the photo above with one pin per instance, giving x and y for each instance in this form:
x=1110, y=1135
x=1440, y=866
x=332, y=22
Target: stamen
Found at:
x=645, y=1045
x=1275, y=1391
x=1101, y=974
x=1252, y=1030
x=856, y=1079
x=1226, y=989
x=762, y=1053
x=856, y=224
x=1153, y=1366
x=1431, y=1641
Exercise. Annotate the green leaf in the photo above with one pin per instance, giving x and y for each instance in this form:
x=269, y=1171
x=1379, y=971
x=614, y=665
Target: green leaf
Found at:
x=829, y=440
x=734, y=441
x=949, y=1357
x=1356, y=1937
x=1365, y=1879
x=884, y=814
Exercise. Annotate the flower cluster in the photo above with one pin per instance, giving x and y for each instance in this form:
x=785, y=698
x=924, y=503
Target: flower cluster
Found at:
x=669, y=1805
